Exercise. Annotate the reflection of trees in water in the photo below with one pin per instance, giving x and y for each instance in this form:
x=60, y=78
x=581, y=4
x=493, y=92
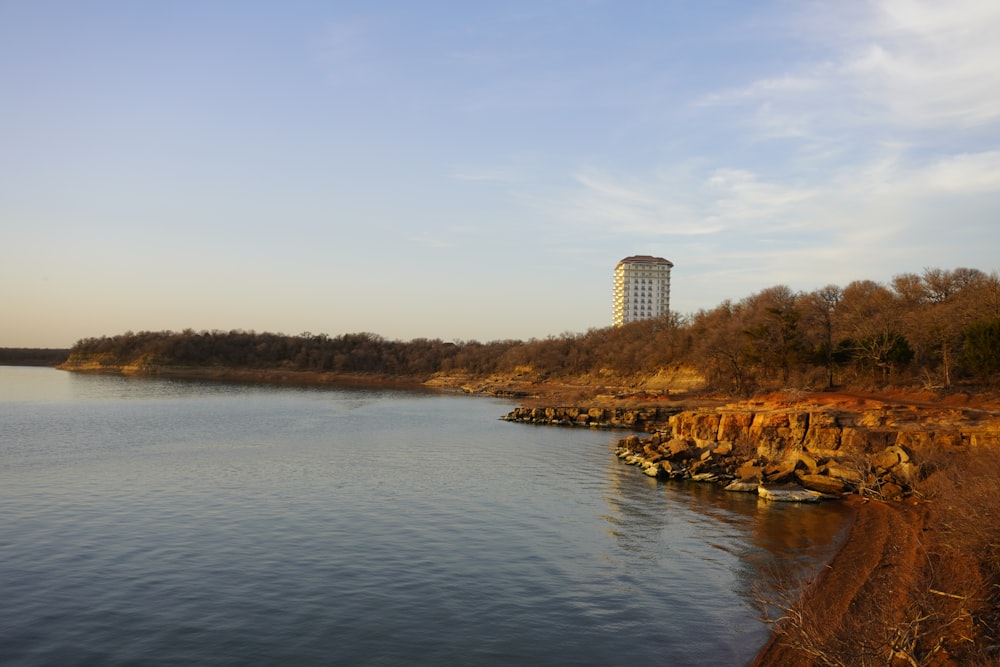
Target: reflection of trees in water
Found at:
x=636, y=517
x=655, y=520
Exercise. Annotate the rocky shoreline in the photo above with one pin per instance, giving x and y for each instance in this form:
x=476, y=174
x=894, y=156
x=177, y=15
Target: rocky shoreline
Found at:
x=806, y=453
x=910, y=583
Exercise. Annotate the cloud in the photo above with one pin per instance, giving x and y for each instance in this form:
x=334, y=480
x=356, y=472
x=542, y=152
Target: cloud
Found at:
x=889, y=111
x=894, y=175
x=741, y=195
x=874, y=155
x=639, y=208
x=964, y=174
x=911, y=63
x=683, y=202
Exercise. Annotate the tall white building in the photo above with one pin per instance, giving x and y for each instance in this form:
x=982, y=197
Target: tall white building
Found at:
x=642, y=288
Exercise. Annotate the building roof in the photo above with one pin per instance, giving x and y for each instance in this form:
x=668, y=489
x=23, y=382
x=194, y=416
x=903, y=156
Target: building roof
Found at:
x=645, y=259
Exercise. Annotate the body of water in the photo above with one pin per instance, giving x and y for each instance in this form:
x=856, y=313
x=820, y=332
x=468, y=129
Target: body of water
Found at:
x=158, y=522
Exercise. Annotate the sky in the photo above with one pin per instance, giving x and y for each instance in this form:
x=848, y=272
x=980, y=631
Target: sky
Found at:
x=475, y=170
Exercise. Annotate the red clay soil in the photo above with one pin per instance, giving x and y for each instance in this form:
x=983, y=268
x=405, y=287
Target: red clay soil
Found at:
x=863, y=586
x=857, y=401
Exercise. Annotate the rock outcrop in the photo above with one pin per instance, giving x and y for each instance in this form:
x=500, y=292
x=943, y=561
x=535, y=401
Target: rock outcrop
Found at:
x=782, y=453
x=636, y=419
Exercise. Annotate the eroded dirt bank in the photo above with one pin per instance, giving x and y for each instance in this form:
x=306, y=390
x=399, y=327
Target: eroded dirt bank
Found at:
x=842, y=616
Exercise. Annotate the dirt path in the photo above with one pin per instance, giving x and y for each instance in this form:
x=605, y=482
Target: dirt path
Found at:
x=861, y=591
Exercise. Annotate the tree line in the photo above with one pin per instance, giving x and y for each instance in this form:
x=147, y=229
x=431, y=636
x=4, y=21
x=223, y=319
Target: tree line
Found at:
x=32, y=356
x=936, y=329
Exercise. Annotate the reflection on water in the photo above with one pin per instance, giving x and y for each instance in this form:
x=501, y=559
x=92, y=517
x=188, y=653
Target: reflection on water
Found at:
x=171, y=521
x=687, y=521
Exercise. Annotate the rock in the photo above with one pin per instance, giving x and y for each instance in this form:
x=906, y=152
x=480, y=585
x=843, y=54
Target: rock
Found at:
x=844, y=473
x=788, y=494
x=698, y=425
x=906, y=472
x=672, y=470
x=742, y=486
x=823, y=434
x=890, y=457
x=723, y=449
x=777, y=431
x=734, y=426
x=750, y=472
x=668, y=468
x=806, y=462
x=677, y=448
x=779, y=473
x=862, y=440
x=818, y=449
x=631, y=443
x=823, y=484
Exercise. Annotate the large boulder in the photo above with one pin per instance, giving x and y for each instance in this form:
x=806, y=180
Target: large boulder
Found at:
x=844, y=472
x=890, y=457
x=778, y=473
x=672, y=470
x=823, y=484
x=806, y=462
x=788, y=494
x=742, y=486
x=750, y=472
x=597, y=414
x=677, y=449
x=631, y=444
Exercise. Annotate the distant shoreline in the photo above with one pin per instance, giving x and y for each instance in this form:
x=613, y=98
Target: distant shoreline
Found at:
x=32, y=356
x=249, y=375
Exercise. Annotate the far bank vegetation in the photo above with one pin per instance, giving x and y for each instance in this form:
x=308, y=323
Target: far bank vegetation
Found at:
x=933, y=330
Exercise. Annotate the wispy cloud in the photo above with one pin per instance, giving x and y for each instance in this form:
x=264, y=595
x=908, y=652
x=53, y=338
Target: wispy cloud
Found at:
x=739, y=194
x=683, y=203
x=638, y=208
x=890, y=124
x=912, y=63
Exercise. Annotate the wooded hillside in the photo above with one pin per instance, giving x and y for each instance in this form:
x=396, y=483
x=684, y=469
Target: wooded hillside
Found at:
x=933, y=329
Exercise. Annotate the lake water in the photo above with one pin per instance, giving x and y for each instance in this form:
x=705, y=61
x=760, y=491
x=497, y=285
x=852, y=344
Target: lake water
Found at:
x=155, y=522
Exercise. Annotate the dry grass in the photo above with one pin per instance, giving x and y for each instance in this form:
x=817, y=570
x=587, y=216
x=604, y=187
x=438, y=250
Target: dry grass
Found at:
x=915, y=583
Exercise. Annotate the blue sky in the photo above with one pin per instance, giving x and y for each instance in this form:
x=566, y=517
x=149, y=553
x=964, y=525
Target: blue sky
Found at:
x=474, y=170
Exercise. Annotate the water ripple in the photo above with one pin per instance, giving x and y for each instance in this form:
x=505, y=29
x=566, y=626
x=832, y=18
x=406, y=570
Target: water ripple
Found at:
x=153, y=523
